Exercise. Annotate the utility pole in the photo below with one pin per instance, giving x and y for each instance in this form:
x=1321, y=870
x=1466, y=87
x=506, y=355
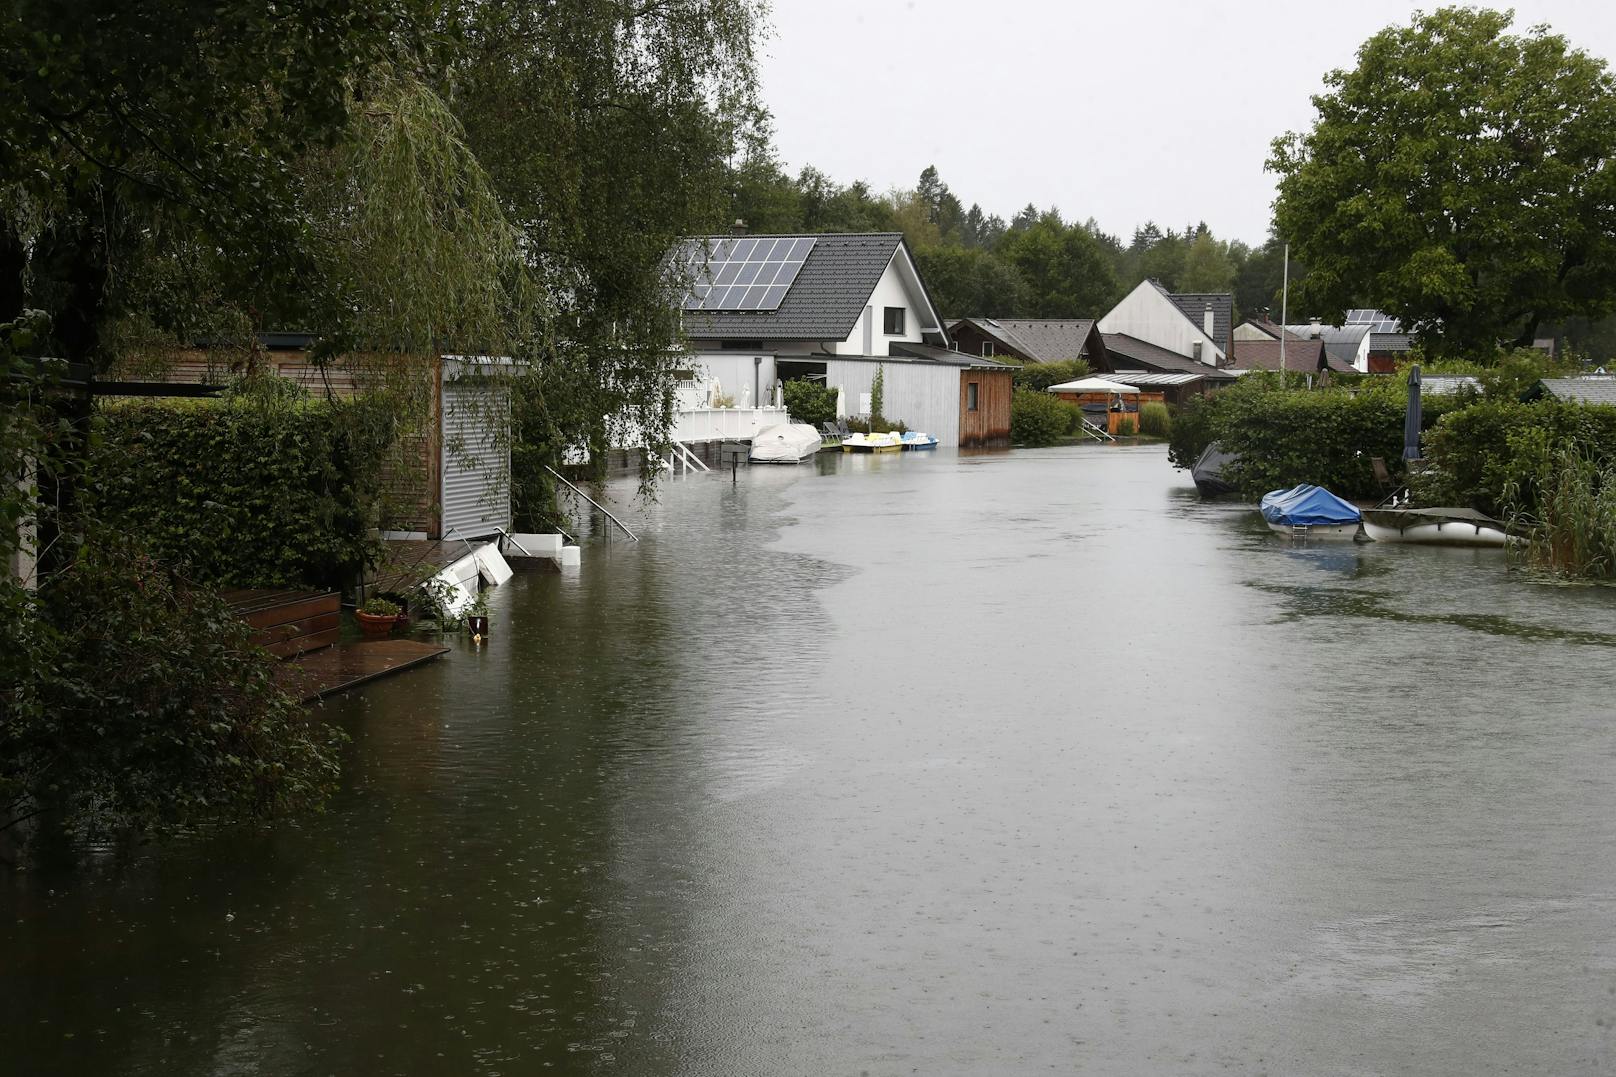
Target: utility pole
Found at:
x=1284, y=300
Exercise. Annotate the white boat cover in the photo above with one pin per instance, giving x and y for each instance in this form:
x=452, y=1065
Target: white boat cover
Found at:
x=1093, y=385
x=785, y=444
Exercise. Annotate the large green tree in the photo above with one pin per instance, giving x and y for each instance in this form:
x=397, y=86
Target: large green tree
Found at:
x=1460, y=177
x=1065, y=267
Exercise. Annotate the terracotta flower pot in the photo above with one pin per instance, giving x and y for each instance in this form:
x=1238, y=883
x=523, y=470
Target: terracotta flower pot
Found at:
x=375, y=625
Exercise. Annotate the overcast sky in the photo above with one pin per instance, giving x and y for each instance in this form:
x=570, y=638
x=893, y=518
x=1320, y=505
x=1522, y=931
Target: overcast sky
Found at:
x=1124, y=111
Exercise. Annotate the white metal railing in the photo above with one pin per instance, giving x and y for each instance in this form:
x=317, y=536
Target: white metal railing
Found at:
x=724, y=424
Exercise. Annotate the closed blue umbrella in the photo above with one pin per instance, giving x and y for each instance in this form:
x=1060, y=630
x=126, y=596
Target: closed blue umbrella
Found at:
x=1411, y=418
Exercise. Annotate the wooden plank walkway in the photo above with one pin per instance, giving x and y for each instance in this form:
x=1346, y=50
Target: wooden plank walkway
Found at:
x=336, y=669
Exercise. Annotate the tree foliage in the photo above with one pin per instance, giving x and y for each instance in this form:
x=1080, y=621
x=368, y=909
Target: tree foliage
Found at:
x=1461, y=178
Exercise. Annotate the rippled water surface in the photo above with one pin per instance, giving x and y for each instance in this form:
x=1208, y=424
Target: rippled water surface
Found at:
x=1013, y=763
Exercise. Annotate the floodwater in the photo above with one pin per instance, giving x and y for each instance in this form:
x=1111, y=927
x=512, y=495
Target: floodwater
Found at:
x=1002, y=764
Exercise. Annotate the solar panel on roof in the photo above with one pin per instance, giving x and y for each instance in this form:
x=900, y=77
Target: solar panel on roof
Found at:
x=749, y=273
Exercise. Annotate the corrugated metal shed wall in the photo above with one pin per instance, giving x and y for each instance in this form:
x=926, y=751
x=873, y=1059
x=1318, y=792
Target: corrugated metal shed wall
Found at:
x=921, y=396
x=476, y=493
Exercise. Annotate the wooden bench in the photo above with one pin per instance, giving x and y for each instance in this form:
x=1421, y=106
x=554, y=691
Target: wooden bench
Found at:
x=289, y=623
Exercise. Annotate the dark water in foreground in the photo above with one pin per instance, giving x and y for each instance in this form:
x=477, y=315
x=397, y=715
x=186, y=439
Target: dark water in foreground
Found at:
x=1003, y=764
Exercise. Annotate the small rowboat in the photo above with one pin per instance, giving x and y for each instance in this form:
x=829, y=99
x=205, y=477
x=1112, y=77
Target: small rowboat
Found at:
x=1311, y=512
x=1441, y=526
x=914, y=439
x=872, y=443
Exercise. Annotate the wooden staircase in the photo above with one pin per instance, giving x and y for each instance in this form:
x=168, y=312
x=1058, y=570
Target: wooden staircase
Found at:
x=289, y=623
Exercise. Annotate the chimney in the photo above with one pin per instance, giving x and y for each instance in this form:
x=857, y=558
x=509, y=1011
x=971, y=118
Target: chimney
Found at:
x=738, y=228
x=1315, y=329
x=1207, y=321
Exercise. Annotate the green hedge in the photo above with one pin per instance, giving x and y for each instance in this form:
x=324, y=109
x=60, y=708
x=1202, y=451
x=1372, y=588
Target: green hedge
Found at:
x=1038, y=418
x=242, y=493
x=1283, y=436
x=1494, y=454
x=1040, y=376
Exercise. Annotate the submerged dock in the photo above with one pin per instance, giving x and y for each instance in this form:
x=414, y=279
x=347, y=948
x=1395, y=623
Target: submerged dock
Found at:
x=317, y=674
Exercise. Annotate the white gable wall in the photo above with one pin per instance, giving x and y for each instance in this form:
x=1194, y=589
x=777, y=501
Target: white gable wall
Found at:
x=1147, y=314
x=890, y=291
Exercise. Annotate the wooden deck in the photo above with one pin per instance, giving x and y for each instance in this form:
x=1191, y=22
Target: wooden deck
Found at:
x=347, y=665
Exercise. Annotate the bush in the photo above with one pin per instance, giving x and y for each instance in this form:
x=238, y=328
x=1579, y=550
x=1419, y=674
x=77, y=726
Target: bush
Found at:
x=154, y=707
x=1038, y=418
x=1155, y=420
x=1192, y=430
x=810, y=402
x=1126, y=427
x=1492, y=456
x=1040, y=376
x=243, y=493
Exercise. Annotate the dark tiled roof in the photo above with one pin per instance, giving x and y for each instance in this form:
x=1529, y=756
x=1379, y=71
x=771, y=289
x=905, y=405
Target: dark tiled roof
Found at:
x=1594, y=390
x=1382, y=343
x=1299, y=355
x=1271, y=328
x=1127, y=351
x=908, y=349
x=823, y=303
x=1193, y=306
x=1042, y=340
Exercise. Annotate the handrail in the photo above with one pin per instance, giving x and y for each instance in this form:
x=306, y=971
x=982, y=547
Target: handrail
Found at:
x=688, y=457
x=592, y=501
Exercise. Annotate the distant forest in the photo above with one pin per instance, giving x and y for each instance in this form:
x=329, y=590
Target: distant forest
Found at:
x=1040, y=263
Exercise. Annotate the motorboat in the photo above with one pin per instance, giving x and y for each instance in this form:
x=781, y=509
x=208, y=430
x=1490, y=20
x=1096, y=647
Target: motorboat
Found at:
x=872, y=443
x=1208, y=471
x=1437, y=526
x=788, y=443
x=914, y=439
x=1308, y=511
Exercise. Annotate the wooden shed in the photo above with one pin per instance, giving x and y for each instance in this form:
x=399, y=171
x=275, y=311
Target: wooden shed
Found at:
x=984, y=406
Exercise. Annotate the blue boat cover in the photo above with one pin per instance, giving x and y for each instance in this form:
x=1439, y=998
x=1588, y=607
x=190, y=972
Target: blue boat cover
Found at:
x=1309, y=506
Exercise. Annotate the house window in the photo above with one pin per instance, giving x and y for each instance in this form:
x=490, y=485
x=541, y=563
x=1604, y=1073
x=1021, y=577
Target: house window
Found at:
x=892, y=321
x=1197, y=350
x=987, y=349
x=970, y=396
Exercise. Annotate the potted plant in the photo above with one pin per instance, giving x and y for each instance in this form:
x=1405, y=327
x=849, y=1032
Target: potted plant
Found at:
x=377, y=617
x=477, y=616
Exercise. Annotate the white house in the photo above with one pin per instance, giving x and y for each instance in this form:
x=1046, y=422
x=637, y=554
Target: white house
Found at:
x=834, y=308
x=1195, y=326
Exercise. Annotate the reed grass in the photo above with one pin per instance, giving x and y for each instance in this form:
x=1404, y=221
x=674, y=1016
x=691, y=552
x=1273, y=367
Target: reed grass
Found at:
x=1572, y=529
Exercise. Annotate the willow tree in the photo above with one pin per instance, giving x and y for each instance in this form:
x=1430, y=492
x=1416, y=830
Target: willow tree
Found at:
x=1460, y=177
x=606, y=128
